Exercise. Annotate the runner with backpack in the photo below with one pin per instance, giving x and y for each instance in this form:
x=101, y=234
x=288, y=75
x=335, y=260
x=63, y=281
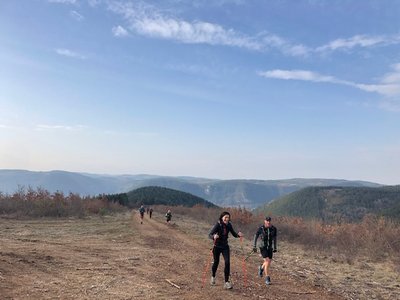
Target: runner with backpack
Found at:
x=266, y=234
x=168, y=216
x=141, y=211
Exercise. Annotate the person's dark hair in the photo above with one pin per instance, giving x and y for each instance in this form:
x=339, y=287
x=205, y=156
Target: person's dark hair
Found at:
x=224, y=214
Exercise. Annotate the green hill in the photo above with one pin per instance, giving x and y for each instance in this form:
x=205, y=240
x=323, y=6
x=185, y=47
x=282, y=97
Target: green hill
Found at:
x=154, y=195
x=249, y=193
x=338, y=203
x=239, y=192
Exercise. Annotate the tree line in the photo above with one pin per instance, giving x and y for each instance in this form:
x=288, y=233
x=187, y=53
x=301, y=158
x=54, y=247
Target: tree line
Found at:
x=39, y=202
x=339, y=204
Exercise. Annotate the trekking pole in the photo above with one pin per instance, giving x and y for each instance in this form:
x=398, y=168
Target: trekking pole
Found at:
x=208, y=263
x=248, y=255
x=243, y=263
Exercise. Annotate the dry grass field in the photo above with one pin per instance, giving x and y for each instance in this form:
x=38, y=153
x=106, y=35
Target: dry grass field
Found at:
x=115, y=257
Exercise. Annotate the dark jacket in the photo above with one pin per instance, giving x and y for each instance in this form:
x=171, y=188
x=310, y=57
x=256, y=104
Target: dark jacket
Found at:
x=223, y=231
x=267, y=237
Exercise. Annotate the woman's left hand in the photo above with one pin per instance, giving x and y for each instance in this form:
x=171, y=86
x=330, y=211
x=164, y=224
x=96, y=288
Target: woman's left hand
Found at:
x=240, y=234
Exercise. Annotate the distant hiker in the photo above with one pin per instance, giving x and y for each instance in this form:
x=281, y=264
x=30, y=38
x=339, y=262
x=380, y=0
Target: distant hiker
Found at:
x=168, y=216
x=150, y=212
x=141, y=211
x=267, y=234
x=147, y=210
x=219, y=234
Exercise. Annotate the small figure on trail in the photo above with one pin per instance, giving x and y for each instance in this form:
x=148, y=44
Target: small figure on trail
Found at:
x=141, y=211
x=267, y=234
x=168, y=216
x=150, y=212
x=147, y=210
x=219, y=234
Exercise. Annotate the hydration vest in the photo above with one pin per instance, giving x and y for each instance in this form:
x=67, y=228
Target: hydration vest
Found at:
x=266, y=237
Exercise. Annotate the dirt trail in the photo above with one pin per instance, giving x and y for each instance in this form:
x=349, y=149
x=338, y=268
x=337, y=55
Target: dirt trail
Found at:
x=119, y=258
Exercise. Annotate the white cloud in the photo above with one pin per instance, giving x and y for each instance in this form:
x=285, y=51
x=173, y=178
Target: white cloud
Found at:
x=274, y=41
x=119, y=31
x=77, y=16
x=297, y=50
x=297, y=75
x=43, y=127
x=393, y=77
x=69, y=53
x=192, y=33
x=389, y=86
x=383, y=89
x=359, y=41
x=148, y=21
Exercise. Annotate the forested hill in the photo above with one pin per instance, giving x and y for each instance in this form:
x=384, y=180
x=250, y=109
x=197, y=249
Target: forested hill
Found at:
x=249, y=193
x=153, y=195
x=338, y=203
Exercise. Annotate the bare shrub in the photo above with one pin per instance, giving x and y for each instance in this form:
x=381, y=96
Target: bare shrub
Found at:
x=375, y=237
x=41, y=203
x=76, y=205
x=94, y=206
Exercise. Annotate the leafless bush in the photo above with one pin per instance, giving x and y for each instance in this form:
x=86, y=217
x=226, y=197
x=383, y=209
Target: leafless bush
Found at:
x=375, y=237
x=41, y=203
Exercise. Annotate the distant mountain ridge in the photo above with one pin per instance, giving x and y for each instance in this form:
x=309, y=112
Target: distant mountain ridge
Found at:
x=246, y=193
x=329, y=203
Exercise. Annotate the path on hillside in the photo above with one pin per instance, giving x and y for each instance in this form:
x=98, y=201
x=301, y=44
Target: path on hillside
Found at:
x=182, y=258
x=119, y=258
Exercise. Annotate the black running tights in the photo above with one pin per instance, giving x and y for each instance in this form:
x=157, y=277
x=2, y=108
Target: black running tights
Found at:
x=226, y=254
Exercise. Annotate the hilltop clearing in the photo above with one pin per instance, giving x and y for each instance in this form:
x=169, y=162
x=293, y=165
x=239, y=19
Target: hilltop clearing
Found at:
x=118, y=258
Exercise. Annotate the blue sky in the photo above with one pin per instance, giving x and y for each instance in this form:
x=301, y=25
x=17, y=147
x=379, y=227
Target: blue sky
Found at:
x=228, y=89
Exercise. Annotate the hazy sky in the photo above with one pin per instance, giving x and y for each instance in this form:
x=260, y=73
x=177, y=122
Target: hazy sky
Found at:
x=268, y=89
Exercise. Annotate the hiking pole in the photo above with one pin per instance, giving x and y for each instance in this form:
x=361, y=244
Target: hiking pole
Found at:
x=248, y=255
x=244, y=270
x=208, y=263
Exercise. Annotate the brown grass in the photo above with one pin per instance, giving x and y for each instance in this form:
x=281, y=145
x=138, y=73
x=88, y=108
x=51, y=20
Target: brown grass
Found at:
x=118, y=258
x=373, y=238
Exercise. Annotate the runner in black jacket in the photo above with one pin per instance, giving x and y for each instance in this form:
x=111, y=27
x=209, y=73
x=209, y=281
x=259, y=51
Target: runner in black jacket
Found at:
x=141, y=211
x=219, y=233
x=168, y=216
x=267, y=234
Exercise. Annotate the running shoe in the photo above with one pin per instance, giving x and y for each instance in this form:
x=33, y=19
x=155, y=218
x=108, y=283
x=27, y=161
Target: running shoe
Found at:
x=228, y=285
x=260, y=271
